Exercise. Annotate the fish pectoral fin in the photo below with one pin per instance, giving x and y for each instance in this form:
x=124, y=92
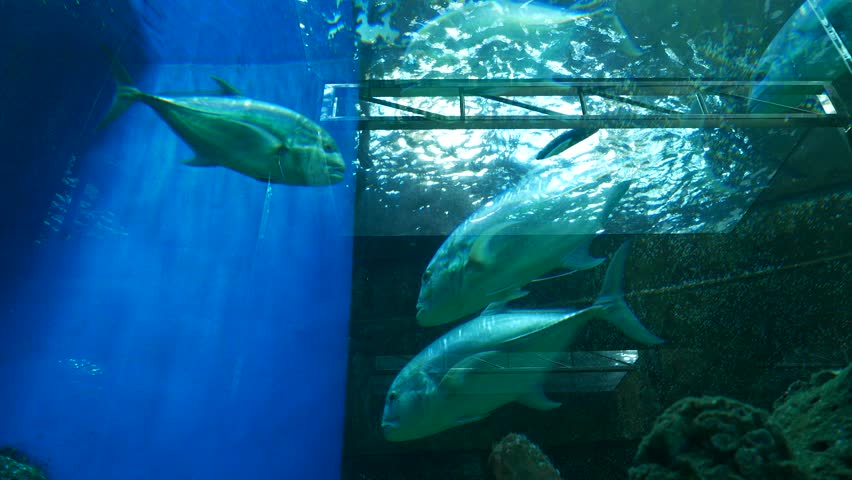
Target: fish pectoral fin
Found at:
x=469, y=419
x=226, y=88
x=199, y=162
x=239, y=136
x=538, y=400
x=455, y=378
x=580, y=258
x=280, y=148
x=483, y=251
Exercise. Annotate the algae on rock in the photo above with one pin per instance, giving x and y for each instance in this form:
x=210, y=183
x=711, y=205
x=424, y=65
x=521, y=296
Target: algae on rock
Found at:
x=816, y=417
x=714, y=438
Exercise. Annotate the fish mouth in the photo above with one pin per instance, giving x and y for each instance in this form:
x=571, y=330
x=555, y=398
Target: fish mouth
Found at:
x=335, y=176
x=390, y=431
x=330, y=176
x=426, y=318
x=336, y=170
x=389, y=427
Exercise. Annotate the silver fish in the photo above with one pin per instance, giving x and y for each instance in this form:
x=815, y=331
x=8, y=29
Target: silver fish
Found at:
x=804, y=49
x=261, y=140
x=440, y=387
x=514, y=19
x=522, y=235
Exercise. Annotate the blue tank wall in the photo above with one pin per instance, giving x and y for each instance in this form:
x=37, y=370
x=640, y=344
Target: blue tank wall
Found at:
x=158, y=320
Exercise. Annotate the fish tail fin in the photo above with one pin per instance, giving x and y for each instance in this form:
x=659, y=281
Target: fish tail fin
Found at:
x=614, y=308
x=125, y=94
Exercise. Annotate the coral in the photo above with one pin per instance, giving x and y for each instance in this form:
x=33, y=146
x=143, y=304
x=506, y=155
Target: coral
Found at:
x=816, y=418
x=15, y=466
x=714, y=438
x=516, y=458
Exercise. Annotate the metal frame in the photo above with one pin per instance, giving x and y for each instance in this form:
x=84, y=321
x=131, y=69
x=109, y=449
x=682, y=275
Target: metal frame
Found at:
x=337, y=98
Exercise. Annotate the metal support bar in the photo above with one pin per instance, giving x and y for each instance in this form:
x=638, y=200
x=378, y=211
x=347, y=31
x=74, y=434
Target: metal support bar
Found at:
x=583, y=106
x=526, y=106
x=728, y=99
x=832, y=34
x=404, y=108
x=701, y=103
x=636, y=103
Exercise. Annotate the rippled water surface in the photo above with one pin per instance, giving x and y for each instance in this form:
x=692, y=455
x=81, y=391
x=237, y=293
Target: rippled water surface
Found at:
x=683, y=180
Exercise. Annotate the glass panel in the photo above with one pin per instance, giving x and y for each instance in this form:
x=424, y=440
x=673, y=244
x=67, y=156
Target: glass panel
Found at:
x=700, y=174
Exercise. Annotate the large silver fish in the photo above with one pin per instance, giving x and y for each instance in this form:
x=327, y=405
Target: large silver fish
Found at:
x=804, y=49
x=522, y=235
x=515, y=19
x=440, y=388
x=259, y=139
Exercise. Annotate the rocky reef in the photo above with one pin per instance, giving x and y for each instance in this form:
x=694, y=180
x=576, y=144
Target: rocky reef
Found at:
x=516, y=458
x=714, y=438
x=807, y=436
x=816, y=417
x=14, y=465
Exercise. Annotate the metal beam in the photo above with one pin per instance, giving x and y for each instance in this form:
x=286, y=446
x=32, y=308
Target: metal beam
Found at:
x=358, y=102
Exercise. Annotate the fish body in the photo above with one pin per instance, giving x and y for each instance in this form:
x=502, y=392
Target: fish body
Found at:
x=441, y=387
x=803, y=50
x=531, y=14
x=522, y=235
x=478, y=16
x=262, y=140
x=514, y=20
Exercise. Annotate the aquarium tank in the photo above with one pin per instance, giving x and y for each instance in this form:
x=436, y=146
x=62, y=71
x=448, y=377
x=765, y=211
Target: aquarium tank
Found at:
x=449, y=239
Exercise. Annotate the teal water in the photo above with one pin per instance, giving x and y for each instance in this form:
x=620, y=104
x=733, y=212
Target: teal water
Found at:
x=740, y=255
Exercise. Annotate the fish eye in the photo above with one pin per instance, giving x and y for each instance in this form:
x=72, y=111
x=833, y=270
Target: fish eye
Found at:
x=392, y=396
x=328, y=148
x=427, y=275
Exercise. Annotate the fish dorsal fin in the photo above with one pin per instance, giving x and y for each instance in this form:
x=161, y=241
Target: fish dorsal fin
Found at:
x=482, y=251
x=226, y=88
x=455, y=378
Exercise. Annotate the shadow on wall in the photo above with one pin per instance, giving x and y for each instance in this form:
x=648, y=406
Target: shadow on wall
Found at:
x=52, y=72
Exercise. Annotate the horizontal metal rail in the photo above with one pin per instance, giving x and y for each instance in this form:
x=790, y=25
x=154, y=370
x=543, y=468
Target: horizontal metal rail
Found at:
x=358, y=102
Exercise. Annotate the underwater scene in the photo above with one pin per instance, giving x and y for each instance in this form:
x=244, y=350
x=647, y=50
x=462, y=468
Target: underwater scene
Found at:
x=437, y=239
